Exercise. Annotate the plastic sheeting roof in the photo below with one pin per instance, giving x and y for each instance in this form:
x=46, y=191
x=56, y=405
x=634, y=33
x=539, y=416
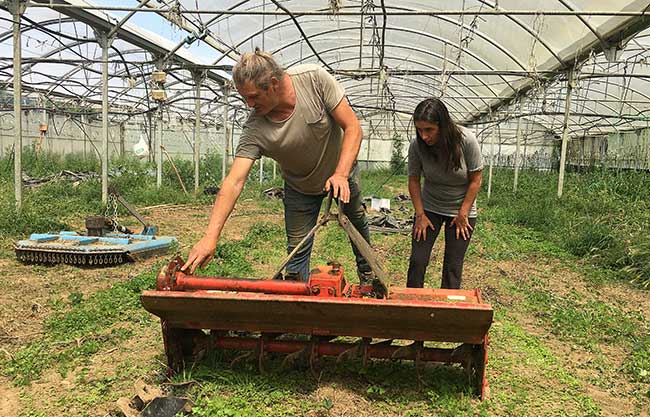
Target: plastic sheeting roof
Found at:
x=490, y=61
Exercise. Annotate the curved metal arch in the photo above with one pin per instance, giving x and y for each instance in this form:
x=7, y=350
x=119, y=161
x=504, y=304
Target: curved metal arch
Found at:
x=232, y=99
x=443, y=18
x=25, y=28
x=527, y=29
x=93, y=88
x=584, y=22
x=477, y=58
x=413, y=61
x=117, y=52
x=54, y=52
x=408, y=88
x=491, y=42
x=429, y=66
x=406, y=104
x=645, y=96
x=598, y=102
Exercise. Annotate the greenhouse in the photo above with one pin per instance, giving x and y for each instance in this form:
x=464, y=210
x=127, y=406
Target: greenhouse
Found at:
x=264, y=139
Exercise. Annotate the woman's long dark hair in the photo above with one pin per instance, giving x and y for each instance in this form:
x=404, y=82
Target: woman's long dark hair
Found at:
x=433, y=110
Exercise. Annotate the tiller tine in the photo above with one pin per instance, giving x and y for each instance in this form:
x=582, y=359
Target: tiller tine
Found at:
x=360, y=350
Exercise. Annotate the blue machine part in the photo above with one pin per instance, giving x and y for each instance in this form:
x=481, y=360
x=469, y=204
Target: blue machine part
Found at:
x=73, y=248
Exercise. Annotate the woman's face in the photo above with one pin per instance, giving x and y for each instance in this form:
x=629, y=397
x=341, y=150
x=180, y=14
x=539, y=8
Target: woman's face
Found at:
x=428, y=131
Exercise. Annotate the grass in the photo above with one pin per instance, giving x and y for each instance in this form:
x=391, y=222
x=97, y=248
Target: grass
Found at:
x=601, y=217
x=79, y=328
x=595, y=230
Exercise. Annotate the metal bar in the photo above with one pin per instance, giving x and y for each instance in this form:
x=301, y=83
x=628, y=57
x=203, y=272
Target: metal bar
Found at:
x=493, y=12
x=104, y=42
x=517, y=154
x=129, y=207
x=224, y=162
x=159, y=145
x=198, y=79
x=17, y=10
x=489, y=190
x=312, y=232
x=565, y=133
x=127, y=17
x=378, y=351
x=183, y=282
x=365, y=250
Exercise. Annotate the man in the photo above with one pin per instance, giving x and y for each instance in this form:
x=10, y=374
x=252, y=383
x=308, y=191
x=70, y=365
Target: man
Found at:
x=301, y=119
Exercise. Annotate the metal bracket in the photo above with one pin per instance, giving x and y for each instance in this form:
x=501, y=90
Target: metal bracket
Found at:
x=102, y=38
x=14, y=6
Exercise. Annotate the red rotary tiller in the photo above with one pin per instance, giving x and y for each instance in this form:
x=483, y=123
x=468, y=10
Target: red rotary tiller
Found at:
x=324, y=307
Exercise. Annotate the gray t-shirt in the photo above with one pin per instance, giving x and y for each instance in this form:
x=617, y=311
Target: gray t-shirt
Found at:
x=443, y=191
x=307, y=144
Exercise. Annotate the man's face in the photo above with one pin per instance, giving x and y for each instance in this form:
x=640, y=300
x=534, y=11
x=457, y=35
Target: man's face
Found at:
x=263, y=101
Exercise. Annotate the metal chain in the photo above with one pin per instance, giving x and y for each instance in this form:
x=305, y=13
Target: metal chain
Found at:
x=112, y=203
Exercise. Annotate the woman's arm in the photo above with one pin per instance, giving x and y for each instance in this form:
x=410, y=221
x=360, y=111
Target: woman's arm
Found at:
x=421, y=220
x=461, y=220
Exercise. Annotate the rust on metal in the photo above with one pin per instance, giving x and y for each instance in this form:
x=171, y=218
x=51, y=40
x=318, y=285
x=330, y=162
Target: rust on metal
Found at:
x=324, y=308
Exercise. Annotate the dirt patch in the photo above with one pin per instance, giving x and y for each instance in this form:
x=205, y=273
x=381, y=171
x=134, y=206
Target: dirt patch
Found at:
x=601, y=366
x=9, y=399
x=27, y=292
x=343, y=402
x=93, y=386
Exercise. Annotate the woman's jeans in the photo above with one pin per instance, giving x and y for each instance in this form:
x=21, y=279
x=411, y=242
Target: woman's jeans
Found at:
x=301, y=214
x=452, y=265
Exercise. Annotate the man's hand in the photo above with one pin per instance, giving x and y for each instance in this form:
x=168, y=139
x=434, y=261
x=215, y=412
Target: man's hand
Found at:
x=201, y=254
x=340, y=188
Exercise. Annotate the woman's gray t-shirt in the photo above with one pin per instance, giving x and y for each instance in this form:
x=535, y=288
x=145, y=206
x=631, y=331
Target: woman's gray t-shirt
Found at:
x=443, y=190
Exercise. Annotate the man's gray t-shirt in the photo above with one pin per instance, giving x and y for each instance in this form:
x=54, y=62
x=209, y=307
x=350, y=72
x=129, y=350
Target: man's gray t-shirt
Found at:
x=307, y=144
x=443, y=190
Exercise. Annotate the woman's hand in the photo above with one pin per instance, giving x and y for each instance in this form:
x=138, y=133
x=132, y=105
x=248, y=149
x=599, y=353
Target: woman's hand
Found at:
x=422, y=223
x=463, y=228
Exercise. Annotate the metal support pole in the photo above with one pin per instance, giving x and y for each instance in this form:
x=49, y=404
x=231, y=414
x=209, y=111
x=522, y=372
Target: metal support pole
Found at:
x=518, y=140
x=105, y=42
x=159, y=147
x=198, y=79
x=122, y=139
x=226, y=133
x=261, y=170
x=565, y=132
x=489, y=190
x=158, y=139
x=17, y=8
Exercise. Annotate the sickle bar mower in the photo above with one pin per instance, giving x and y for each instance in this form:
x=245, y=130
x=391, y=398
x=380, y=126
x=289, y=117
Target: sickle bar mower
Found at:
x=324, y=308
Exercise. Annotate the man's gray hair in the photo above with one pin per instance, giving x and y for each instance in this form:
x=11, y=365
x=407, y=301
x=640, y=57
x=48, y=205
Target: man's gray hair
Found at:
x=258, y=67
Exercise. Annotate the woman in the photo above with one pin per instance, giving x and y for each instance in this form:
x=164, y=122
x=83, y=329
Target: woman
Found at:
x=448, y=156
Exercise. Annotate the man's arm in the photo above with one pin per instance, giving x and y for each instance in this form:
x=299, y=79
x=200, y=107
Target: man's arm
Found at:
x=352, y=135
x=203, y=251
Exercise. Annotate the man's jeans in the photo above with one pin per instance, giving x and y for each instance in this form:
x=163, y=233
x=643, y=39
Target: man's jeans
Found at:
x=301, y=214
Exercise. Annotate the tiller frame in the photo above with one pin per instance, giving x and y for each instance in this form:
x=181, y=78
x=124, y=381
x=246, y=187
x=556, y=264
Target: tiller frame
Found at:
x=324, y=307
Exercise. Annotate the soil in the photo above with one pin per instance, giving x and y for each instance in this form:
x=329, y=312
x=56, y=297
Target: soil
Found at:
x=28, y=291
